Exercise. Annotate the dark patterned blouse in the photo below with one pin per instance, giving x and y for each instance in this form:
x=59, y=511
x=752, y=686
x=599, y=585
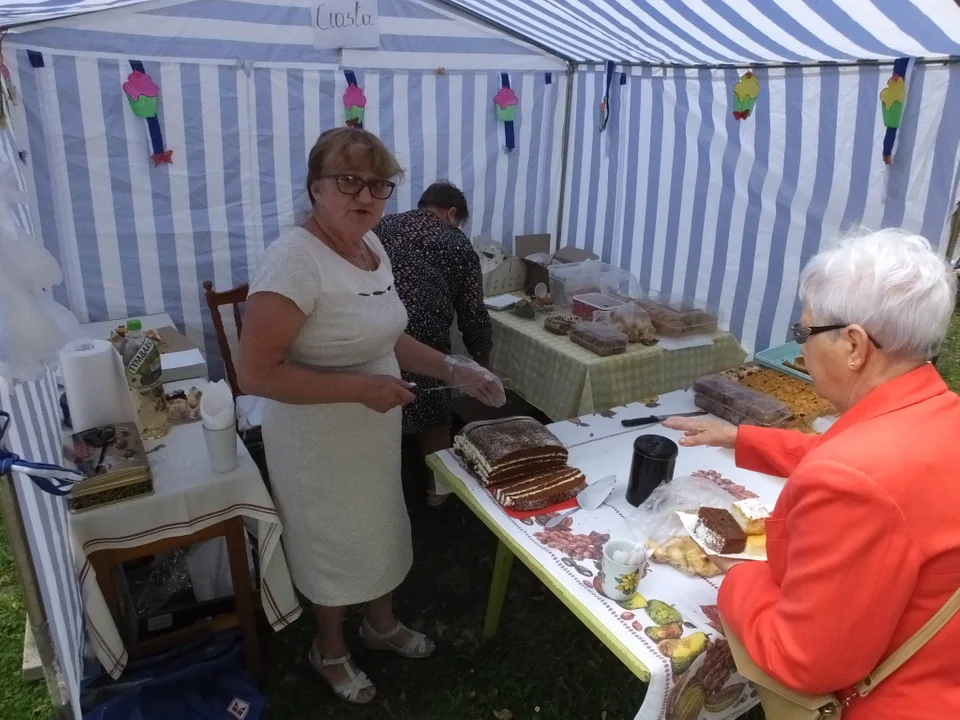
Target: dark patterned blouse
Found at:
x=437, y=274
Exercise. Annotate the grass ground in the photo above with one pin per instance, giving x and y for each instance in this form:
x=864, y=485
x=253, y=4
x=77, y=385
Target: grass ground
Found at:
x=544, y=664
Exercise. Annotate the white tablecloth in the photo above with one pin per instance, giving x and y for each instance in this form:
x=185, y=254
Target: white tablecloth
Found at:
x=601, y=446
x=188, y=496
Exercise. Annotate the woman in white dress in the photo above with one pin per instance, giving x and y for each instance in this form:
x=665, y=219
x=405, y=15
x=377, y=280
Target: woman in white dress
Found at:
x=323, y=340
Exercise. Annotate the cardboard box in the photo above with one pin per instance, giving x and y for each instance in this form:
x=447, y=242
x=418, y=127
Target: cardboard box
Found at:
x=505, y=278
x=526, y=245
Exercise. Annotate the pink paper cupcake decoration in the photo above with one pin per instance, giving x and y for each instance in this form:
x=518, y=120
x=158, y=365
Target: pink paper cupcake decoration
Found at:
x=142, y=93
x=354, y=103
x=506, y=102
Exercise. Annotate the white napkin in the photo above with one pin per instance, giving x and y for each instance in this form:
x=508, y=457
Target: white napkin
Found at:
x=216, y=406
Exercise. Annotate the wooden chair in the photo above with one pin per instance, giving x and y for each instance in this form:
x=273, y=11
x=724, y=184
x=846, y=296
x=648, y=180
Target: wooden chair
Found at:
x=215, y=300
x=252, y=438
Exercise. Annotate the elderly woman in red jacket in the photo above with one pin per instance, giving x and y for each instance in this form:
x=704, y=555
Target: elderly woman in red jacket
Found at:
x=864, y=544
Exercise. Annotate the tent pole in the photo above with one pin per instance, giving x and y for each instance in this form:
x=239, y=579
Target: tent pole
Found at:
x=953, y=59
x=565, y=149
x=12, y=520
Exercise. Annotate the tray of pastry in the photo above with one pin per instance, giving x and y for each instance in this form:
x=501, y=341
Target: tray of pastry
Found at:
x=797, y=395
x=786, y=359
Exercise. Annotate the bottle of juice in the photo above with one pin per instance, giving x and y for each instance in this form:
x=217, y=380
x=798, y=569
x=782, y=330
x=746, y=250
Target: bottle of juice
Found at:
x=141, y=363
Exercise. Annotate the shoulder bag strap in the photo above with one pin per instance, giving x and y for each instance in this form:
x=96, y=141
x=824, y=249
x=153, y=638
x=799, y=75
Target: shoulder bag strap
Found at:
x=911, y=646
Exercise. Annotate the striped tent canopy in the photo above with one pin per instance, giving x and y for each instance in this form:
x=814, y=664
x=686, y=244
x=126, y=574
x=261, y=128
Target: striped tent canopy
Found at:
x=687, y=32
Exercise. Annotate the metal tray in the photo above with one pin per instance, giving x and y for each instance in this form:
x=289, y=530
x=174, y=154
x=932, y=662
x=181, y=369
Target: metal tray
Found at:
x=774, y=357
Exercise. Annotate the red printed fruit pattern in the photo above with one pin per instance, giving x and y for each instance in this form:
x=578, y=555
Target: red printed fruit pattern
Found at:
x=578, y=547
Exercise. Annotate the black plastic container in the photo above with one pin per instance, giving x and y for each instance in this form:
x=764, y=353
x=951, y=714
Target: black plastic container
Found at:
x=654, y=458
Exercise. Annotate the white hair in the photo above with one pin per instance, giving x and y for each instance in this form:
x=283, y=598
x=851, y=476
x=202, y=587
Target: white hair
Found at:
x=889, y=282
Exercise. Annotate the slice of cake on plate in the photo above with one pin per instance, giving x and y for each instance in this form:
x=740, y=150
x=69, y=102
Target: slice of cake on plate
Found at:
x=751, y=516
x=718, y=531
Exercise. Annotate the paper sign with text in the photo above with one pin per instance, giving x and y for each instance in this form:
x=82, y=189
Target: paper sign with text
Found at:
x=346, y=24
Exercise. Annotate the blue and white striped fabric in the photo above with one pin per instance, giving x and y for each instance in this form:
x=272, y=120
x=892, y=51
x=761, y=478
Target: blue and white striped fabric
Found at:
x=53, y=479
x=34, y=433
x=711, y=32
x=697, y=203
x=33, y=11
x=134, y=240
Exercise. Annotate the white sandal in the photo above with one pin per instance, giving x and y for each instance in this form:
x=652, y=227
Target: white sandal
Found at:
x=416, y=648
x=350, y=690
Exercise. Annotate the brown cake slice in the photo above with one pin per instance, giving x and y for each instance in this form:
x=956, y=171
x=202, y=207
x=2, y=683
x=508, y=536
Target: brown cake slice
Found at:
x=718, y=530
x=542, y=490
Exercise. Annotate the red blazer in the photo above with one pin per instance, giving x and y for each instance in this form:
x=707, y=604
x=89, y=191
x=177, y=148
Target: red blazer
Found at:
x=863, y=548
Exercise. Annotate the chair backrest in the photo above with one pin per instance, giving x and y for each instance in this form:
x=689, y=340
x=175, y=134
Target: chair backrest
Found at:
x=215, y=300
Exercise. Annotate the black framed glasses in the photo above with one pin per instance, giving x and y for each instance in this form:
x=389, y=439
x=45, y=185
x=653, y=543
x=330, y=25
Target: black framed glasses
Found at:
x=802, y=333
x=353, y=185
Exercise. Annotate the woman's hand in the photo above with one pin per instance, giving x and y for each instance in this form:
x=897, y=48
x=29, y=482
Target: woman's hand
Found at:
x=383, y=393
x=475, y=381
x=703, y=432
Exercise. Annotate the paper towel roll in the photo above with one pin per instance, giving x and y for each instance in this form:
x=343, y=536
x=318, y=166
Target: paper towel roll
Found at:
x=96, y=387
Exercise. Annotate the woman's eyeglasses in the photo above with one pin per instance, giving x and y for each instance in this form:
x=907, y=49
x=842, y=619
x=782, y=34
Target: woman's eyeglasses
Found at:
x=802, y=333
x=353, y=185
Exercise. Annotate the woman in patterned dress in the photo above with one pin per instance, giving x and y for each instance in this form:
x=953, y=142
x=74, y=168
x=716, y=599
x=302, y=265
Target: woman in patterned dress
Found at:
x=323, y=340
x=438, y=277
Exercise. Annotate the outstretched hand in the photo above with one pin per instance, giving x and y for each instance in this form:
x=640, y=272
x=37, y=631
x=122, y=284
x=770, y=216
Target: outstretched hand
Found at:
x=698, y=431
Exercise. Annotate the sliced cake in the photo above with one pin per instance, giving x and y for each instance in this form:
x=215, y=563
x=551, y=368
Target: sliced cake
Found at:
x=507, y=448
x=751, y=516
x=540, y=491
x=717, y=530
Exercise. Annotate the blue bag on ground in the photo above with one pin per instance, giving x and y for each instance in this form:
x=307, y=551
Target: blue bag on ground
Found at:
x=203, y=681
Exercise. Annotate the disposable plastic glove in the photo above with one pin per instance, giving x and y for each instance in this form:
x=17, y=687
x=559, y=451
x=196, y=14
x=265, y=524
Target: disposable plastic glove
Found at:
x=474, y=380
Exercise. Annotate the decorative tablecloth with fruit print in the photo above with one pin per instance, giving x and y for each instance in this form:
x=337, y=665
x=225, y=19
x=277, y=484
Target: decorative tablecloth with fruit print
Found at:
x=565, y=380
x=668, y=633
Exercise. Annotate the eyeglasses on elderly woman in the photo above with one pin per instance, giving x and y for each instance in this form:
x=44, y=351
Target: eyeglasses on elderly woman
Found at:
x=353, y=185
x=802, y=333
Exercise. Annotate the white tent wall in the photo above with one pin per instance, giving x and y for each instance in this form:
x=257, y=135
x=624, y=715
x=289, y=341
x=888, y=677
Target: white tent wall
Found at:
x=695, y=202
x=34, y=434
x=135, y=240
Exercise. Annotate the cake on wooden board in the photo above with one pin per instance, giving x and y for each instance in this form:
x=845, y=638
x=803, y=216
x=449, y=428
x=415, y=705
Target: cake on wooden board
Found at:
x=717, y=529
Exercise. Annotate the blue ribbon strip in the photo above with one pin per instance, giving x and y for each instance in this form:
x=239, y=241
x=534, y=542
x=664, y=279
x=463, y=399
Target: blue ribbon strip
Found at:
x=890, y=137
x=351, y=79
x=51, y=479
x=153, y=126
x=605, y=112
x=509, y=140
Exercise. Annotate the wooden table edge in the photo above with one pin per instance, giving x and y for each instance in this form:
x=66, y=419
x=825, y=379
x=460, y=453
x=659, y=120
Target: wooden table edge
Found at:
x=572, y=603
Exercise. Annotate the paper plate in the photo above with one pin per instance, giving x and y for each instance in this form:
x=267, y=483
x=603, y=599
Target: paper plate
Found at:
x=755, y=550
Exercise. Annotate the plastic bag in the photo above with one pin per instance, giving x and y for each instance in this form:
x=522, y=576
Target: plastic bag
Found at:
x=632, y=321
x=666, y=539
x=33, y=327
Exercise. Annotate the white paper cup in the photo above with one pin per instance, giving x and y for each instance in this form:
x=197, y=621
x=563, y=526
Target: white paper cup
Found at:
x=222, y=448
x=619, y=581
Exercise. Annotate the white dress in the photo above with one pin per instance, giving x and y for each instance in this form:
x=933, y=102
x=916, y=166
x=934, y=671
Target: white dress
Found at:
x=335, y=469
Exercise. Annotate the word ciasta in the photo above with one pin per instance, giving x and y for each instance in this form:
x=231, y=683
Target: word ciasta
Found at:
x=332, y=20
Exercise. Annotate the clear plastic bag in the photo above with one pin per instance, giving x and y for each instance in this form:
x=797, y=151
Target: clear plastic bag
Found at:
x=33, y=327
x=632, y=321
x=666, y=539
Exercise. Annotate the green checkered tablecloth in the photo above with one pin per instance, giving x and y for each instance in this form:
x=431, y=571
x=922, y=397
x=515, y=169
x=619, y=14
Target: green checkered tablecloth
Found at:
x=565, y=380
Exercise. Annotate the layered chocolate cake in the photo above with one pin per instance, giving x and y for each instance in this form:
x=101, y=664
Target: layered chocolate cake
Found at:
x=506, y=449
x=523, y=463
x=717, y=529
x=540, y=491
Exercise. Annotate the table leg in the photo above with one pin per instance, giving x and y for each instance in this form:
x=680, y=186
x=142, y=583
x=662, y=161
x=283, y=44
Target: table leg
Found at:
x=498, y=589
x=243, y=595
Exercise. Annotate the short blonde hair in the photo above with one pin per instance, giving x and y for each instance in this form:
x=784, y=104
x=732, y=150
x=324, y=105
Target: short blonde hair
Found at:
x=350, y=148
